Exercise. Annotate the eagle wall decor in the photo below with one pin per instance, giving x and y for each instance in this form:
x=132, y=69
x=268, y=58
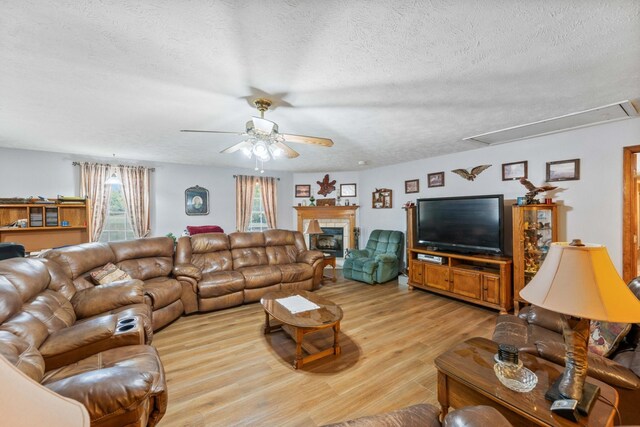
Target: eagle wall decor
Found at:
x=471, y=175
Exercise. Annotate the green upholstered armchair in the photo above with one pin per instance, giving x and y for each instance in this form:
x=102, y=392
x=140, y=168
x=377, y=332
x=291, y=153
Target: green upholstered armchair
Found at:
x=379, y=262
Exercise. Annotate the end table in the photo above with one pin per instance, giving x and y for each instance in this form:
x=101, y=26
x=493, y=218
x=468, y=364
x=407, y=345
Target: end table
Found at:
x=466, y=377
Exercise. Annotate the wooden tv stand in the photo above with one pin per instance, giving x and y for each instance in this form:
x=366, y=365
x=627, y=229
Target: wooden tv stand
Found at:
x=480, y=279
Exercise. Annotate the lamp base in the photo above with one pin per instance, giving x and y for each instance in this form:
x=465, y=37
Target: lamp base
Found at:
x=590, y=394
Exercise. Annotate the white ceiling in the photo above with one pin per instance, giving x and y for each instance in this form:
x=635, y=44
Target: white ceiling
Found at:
x=389, y=81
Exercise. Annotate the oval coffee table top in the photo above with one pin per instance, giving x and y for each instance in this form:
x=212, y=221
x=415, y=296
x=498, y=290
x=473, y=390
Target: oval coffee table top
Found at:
x=328, y=313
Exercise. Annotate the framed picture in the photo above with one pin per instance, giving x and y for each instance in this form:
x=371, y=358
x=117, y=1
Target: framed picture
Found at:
x=303, y=190
x=515, y=170
x=348, y=190
x=412, y=186
x=435, y=179
x=196, y=201
x=563, y=170
x=381, y=198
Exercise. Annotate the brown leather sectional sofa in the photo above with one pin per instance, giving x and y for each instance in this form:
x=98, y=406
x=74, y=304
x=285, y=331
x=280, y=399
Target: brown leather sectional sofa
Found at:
x=90, y=342
x=227, y=270
x=57, y=336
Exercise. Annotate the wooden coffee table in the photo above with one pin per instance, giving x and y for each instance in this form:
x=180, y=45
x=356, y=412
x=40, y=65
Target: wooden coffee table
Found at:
x=466, y=377
x=297, y=325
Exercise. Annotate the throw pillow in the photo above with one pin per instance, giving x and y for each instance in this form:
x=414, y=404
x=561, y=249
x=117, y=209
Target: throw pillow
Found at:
x=200, y=229
x=604, y=337
x=109, y=273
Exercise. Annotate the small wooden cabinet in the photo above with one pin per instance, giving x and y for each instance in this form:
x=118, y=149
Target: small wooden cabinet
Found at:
x=484, y=280
x=47, y=225
x=535, y=227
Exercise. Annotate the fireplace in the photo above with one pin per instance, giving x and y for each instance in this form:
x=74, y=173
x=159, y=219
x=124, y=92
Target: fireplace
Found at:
x=331, y=241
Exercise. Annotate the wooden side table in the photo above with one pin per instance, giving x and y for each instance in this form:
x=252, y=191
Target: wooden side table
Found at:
x=466, y=377
x=329, y=261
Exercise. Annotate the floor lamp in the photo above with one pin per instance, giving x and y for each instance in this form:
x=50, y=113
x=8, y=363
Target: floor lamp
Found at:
x=580, y=282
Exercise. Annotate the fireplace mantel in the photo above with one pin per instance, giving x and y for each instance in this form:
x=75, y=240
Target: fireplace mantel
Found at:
x=327, y=212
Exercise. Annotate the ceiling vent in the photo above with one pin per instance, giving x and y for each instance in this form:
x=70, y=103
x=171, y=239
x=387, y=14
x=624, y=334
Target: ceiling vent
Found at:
x=606, y=113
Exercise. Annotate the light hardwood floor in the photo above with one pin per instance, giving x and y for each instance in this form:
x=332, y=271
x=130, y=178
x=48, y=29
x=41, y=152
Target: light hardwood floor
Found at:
x=222, y=371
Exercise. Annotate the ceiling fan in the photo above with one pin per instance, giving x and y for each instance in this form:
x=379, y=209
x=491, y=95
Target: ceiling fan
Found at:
x=264, y=141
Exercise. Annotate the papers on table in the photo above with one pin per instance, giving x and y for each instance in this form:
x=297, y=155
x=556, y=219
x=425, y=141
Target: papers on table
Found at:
x=297, y=304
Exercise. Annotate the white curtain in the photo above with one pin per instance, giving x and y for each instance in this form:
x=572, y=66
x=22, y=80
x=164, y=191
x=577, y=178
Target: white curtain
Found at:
x=268, y=189
x=92, y=185
x=135, y=189
x=245, y=185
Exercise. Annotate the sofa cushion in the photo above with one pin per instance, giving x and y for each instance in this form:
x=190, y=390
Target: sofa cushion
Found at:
x=220, y=283
x=284, y=254
x=77, y=260
x=109, y=273
x=22, y=355
x=147, y=268
x=27, y=276
x=604, y=337
x=162, y=291
x=261, y=276
x=295, y=272
x=249, y=257
x=148, y=247
x=213, y=261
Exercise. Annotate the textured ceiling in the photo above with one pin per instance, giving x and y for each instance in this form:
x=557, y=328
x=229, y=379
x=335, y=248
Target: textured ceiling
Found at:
x=389, y=81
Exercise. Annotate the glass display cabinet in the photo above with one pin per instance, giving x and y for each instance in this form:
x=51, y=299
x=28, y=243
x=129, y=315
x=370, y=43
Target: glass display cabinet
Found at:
x=534, y=228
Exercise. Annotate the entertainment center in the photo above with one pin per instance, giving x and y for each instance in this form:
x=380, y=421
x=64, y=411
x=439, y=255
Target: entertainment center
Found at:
x=455, y=246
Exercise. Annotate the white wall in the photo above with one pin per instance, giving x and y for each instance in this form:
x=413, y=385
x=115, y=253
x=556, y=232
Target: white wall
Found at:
x=592, y=206
x=32, y=173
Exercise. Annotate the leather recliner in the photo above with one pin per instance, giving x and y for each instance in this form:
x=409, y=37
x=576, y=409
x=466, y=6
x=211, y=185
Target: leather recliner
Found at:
x=379, y=262
x=538, y=331
x=425, y=415
x=99, y=361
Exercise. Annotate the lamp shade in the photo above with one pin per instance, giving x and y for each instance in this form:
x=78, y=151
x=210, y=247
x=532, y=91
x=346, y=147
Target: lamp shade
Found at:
x=581, y=281
x=313, y=227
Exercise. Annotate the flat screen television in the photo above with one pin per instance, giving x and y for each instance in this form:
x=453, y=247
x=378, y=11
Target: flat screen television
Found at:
x=471, y=224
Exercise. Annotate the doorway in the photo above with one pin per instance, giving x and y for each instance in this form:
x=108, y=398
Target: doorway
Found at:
x=630, y=216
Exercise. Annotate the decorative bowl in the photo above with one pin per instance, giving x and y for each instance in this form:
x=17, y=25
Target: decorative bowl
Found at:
x=514, y=377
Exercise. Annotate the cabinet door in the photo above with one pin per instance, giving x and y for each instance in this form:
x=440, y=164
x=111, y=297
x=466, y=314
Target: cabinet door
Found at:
x=491, y=288
x=467, y=283
x=437, y=276
x=416, y=271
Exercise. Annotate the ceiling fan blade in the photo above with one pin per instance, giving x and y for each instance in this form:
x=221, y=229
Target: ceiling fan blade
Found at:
x=236, y=147
x=213, y=131
x=289, y=152
x=325, y=142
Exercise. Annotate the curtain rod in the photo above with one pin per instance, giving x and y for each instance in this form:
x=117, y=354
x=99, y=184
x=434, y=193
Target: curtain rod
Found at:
x=108, y=164
x=235, y=176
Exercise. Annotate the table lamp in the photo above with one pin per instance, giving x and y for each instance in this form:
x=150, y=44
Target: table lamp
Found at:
x=580, y=282
x=313, y=228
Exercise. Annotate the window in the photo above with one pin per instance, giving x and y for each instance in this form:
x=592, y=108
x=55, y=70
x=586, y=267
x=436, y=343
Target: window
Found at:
x=117, y=225
x=258, y=218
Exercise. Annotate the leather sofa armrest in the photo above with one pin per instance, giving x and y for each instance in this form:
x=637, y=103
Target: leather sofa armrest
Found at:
x=310, y=257
x=187, y=270
x=103, y=298
x=475, y=416
x=90, y=337
x=545, y=318
x=358, y=253
x=386, y=258
x=108, y=391
x=598, y=367
x=422, y=414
